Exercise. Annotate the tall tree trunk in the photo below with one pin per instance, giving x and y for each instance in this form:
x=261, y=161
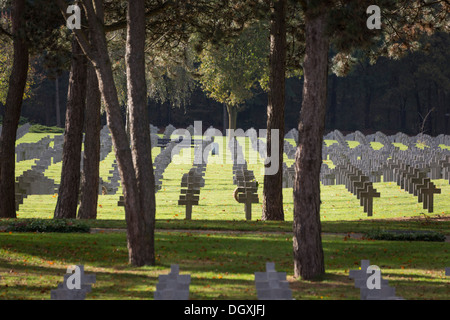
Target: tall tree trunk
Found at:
x=13, y=106
x=224, y=119
x=307, y=242
x=91, y=158
x=98, y=53
x=273, y=184
x=57, y=106
x=66, y=205
x=140, y=133
x=232, y=117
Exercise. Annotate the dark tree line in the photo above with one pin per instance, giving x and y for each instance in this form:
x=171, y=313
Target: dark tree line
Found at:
x=389, y=96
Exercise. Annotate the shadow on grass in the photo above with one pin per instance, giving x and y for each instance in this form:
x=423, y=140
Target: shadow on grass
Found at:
x=222, y=266
x=343, y=226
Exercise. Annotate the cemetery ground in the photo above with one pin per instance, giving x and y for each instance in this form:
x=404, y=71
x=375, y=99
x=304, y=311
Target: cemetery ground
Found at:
x=219, y=248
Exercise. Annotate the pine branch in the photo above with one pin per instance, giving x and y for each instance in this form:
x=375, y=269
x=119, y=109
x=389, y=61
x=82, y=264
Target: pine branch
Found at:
x=151, y=13
x=6, y=33
x=81, y=37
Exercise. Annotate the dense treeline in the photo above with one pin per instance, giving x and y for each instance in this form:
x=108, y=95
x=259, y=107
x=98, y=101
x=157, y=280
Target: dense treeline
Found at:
x=389, y=96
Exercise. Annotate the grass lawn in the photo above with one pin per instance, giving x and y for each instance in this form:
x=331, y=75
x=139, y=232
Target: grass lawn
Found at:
x=219, y=248
x=222, y=266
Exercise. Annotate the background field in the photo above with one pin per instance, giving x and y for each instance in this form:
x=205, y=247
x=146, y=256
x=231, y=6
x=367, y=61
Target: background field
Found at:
x=220, y=249
x=216, y=198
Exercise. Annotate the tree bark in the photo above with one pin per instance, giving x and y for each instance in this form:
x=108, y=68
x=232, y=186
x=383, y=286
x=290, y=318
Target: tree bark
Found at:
x=232, y=117
x=13, y=106
x=143, y=237
x=91, y=158
x=98, y=54
x=66, y=206
x=273, y=184
x=224, y=119
x=307, y=242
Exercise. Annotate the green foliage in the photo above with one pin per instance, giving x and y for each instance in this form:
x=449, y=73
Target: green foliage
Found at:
x=169, y=75
x=6, y=60
x=47, y=38
x=171, y=81
x=403, y=23
x=47, y=225
x=231, y=72
x=392, y=235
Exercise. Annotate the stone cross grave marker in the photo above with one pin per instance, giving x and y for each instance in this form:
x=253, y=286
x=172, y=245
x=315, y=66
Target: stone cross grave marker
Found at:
x=367, y=198
x=75, y=285
x=419, y=188
x=359, y=184
x=272, y=285
x=363, y=187
x=173, y=286
x=428, y=193
x=416, y=180
x=247, y=192
x=121, y=202
x=363, y=277
x=190, y=196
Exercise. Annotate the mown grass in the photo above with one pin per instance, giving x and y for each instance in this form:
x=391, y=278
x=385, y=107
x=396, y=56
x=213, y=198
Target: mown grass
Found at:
x=340, y=210
x=222, y=266
x=222, y=263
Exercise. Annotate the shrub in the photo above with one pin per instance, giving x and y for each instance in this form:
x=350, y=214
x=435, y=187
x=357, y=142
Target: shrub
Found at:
x=23, y=121
x=48, y=225
x=399, y=235
x=39, y=128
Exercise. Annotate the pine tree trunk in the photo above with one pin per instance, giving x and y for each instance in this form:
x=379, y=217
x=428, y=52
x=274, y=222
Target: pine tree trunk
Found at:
x=224, y=119
x=13, y=106
x=232, y=117
x=273, y=184
x=66, y=206
x=91, y=158
x=140, y=133
x=307, y=242
x=98, y=52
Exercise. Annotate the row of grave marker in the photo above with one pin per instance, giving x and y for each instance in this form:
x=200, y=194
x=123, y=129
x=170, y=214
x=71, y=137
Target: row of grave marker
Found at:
x=193, y=181
x=270, y=285
x=359, y=185
x=414, y=181
x=247, y=185
x=374, y=162
x=112, y=186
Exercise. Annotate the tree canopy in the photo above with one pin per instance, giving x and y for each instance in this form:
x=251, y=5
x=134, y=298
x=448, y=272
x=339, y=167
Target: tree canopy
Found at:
x=231, y=72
